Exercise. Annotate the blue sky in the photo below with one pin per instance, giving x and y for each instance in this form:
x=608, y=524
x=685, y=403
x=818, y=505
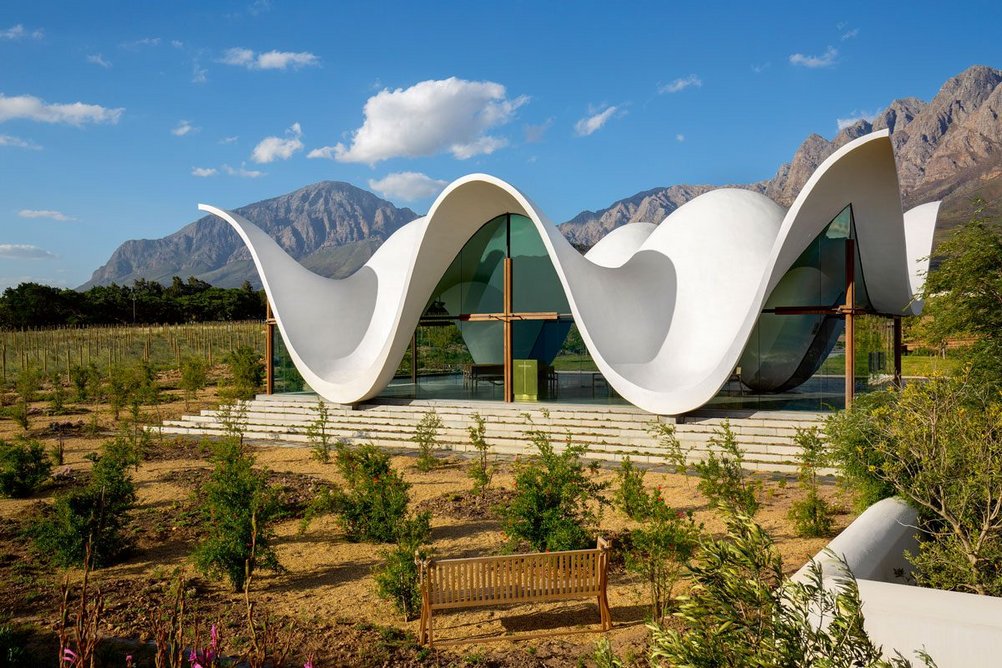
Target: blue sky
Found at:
x=117, y=118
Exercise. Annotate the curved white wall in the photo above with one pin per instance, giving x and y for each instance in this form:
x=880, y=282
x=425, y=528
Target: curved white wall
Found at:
x=664, y=311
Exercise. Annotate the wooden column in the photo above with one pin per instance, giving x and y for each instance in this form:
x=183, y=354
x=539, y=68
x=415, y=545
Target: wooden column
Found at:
x=897, y=351
x=414, y=361
x=269, y=349
x=509, y=384
x=850, y=328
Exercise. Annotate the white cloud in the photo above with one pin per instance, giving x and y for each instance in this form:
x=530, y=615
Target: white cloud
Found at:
x=44, y=213
x=204, y=171
x=407, y=186
x=436, y=116
x=535, y=133
x=680, y=137
x=183, y=128
x=20, y=32
x=849, y=34
x=242, y=172
x=24, y=252
x=77, y=113
x=590, y=124
x=271, y=60
x=855, y=117
x=98, y=59
x=827, y=59
x=681, y=84
x=228, y=140
x=136, y=44
x=270, y=149
x=199, y=74
x=17, y=142
x=177, y=44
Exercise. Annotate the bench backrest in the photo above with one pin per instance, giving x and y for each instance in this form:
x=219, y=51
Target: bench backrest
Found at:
x=517, y=578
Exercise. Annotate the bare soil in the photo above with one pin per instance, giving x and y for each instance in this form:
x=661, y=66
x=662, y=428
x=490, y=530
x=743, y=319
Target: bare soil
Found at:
x=326, y=582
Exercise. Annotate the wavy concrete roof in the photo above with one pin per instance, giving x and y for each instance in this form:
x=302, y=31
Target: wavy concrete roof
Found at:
x=665, y=311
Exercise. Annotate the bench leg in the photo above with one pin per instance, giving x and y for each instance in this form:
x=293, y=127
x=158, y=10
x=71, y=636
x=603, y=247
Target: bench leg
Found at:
x=604, y=613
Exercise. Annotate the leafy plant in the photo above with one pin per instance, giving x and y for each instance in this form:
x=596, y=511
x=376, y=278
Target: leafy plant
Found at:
x=741, y=612
x=239, y=507
x=397, y=579
x=631, y=496
x=90, y=519
x=811, y=515
x=24, y=466
x=57, y=395
x=722, y=479
x=245, y=372
x=554, y=492
x=481, y=471
x=26, y=385
x=426, y=437
x=119, y=385
x=194, y=377
x=86, y=381
x=659, y=551
x=319, y=436
x=665, y=436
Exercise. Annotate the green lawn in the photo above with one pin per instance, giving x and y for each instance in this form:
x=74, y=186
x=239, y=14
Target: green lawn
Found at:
x=927, y=365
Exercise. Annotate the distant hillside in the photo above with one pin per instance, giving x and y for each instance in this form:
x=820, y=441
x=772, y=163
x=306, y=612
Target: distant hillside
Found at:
x=331, y=227
x=949, y=148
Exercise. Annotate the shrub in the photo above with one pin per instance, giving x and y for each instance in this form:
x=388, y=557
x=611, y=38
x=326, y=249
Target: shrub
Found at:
x=96, y=513
x=659, y=551
x=86, y=381
x=481, y=471
x=722, y=480
x=631, y=496
x=740, y=612
x=851, y=434
x=57, y=395
x=551, y=509
x=24, y=466
x=194, y=377
x=319, y=436
x=119, y=385
x=245, y=372
x=397, y=579
x=811, y=515
x=375, y=501
x=26, y=385
x=426, y=437
x=239, y=507
x=664, y=434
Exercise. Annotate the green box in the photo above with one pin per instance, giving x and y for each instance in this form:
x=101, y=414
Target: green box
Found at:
x=526, y=380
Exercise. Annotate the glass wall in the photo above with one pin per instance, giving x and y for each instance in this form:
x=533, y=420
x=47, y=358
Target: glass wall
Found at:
x=285, y=376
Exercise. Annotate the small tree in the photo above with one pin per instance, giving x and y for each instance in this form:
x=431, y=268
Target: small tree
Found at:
x=722, y=479
x=660, y=550
x=631, y=496
x=667, y=440
x=119, y=386
x=397, y=579
x=851, y=434
x=26, y=385
x=245, y=371
x=554, y=494
x=426, y=437
x=57, y=395
x=319, y=436
x=194, y=377
x=24, y=466
x=481, y=471
x=239, y=507
x=811, y=515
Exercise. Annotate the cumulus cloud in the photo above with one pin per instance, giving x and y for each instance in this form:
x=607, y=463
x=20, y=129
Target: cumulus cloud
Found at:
x=44, y=213
x=183, y=128
x=827, y=59
x=681, y=84
x=271, y=60
x=77, y=113
x=17, y=142
x=24, y=252
x=20, y=32
x=591, y=124
x=242, y=172
x=435, y=116
x=856, y=116
x=276, y=148
x=407, y=186
x=99, y=60
x=204, y=171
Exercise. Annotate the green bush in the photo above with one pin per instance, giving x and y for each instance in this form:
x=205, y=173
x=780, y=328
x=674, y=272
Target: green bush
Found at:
x=239, y=508
x=554, y=495
x=245, y=372
x=96, y=514
x=723, y=480
x=397, y=579
x=851, y=434
x=659, y=551
x=24, y=466
x=741, y=612
x=426, y=437
x=811, y=515
x=86, y=381
x=318, y=433
x=481, y=471
x=665, y=436
x=631, y=496
x=375, y=500
x=194, y=377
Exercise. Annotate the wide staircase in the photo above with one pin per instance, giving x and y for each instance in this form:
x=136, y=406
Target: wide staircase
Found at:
x=610, y=432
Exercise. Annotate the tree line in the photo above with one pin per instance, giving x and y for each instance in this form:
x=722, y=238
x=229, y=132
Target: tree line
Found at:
x=32, y=305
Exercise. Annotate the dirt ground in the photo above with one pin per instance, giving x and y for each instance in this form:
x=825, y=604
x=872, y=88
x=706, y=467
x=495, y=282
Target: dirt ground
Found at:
x=326, y=582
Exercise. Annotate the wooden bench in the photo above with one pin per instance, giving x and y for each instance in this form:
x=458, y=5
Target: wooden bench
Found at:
x=449, y=584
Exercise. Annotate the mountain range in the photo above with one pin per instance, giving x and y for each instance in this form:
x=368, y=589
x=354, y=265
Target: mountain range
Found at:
x=949, y=148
